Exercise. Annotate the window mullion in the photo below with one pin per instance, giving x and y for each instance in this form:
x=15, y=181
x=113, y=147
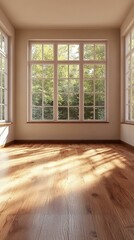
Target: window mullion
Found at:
x=130, y=77
x=94, y=93
x=43, y=107
x=55, y=106
x=68, y=86
x=81, y=92
x=30, y=95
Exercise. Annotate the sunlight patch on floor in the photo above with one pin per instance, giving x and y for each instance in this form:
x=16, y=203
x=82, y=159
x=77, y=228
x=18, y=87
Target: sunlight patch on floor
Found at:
x=72, y=171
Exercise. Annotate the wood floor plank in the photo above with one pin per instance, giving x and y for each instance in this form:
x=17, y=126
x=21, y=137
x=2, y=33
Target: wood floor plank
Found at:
x=67, y=192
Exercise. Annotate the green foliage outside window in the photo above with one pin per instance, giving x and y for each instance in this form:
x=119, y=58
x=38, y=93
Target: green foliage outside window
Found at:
x=68, y=81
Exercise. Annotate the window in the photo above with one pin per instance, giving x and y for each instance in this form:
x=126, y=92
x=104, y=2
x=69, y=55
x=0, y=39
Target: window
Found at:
x=129, y=76
x=3, y=77
x=67, y=81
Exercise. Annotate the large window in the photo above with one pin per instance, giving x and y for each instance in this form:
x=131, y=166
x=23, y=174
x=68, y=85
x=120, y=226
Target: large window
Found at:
x=129, y=76
x=3, y=77
x=67, y=81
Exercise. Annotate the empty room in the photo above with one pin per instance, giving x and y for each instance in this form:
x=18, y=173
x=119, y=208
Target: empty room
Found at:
x=66, y=120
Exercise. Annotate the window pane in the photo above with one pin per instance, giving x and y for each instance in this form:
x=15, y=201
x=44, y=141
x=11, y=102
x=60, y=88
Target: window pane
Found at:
x=99, y=85
x=88, y=71
x=128, y=112
x=6, y=97
x=36, y=52
x=100, y=52
x=132, y=77
x=133, y=112
x=132, y=102
x=100, y=71
x=63, y=85
x=88, y=113
x=48, y=53
x=0, y=95
x=37, y=99
x=128, y=96
x=132, y=39
x=4, y=43
x=6, y=112
x=128, y=44
x=0, y=112
x=48, y=113
x=63, y=113
x=88, y=99
x=63, y=100
x=0, y=62
x=48, y=86
x=99, y=99
x=37, y=85
x=74, y=52
x=48, y=71
x=73, y=99
x=3, y=112
x=73, y=113
x=0, y=40
x=37, y=113
x=3, y=96
x=4, y=65
x=62, y=52
x=73, y=85
x=132, y=60
x=37, y=71
x=99, y=114
x=73, y=71
x=128, y=64
x=128, y=79
x=48, y=99
x=88, y=86
x=63, y=71
x=89, y=51
x=4, y=81
x=1, y=79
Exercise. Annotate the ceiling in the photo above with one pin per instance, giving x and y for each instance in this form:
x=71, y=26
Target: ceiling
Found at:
x=66, y=13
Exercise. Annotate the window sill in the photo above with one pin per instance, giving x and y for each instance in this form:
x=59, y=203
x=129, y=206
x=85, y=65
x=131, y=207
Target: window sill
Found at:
x=3, y=124
x=69, y=122
x=128, y=123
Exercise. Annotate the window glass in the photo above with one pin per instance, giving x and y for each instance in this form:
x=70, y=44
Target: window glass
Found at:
x=68, y=81
x=129, y=76
x=3, y=76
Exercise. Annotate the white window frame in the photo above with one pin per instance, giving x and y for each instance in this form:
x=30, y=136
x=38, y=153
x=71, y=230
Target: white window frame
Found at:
x=5, y=55
x=55, y=62
x=129, y=86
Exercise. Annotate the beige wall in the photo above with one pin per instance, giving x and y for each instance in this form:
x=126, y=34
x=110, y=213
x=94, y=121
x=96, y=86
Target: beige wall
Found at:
x=7, y=132
x=126, y=130
x=127, y=133
x=24, y=130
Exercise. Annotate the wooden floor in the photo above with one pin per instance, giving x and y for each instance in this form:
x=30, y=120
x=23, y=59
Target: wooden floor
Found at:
x=67, y=192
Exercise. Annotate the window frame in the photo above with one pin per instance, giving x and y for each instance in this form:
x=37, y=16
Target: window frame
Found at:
x=5, y=88
x=81, y=62
x=128, y=101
